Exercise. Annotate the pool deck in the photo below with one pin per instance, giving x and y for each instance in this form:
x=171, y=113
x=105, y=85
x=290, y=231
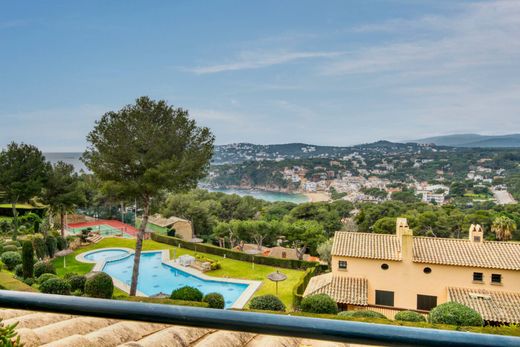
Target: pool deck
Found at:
x=165, y=259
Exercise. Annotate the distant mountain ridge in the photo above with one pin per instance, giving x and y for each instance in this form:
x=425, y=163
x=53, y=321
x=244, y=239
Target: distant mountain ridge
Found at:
x=473, y=140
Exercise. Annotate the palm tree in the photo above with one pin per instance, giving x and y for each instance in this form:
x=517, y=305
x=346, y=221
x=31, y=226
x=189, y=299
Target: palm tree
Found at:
x=503, y=227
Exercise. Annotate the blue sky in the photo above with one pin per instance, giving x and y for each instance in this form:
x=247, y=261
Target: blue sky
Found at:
x=321, y=72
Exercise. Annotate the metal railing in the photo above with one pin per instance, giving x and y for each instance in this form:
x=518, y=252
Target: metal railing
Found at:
x=261, y=323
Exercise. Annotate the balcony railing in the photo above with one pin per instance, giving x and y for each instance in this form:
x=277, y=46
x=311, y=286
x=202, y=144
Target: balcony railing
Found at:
x=270, y=324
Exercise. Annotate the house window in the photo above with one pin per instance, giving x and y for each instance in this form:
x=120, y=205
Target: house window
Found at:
x=384, y=266
x=476, y=238
x=342, y=264
x=384, y=298
x=427, y=270
x=284, y=255
x=478, y=277
x=426, y=302
x=496, y=278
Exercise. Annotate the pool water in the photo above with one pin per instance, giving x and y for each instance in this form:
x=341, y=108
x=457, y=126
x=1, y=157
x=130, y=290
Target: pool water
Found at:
x=156, y=277
x=103, y=255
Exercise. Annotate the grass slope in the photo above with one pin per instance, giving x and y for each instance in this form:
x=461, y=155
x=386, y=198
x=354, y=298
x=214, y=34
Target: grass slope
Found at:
x=230, y=268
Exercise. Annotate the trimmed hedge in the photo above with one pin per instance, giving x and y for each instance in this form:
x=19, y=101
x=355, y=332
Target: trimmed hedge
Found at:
x=61, y=243
x=28, y=259
x=55, y=286
x=13, y=243
x=43, y=267
x=455, y=314
x=10, y=248
x=164, y=301
x=231, y=254
x=11, y=259
x=18, y=271
x=45, y=277
x=319, y=303
x=77, y=283
x=52, y=245
x=362, y=314
x=187, y=293
x=99, y=285
x=39, y=247
x=299, y=287
x=214, y=300
x=409, y=316
x=267, y=303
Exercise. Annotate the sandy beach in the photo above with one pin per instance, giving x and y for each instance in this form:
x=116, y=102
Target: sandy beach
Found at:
x=317, y=197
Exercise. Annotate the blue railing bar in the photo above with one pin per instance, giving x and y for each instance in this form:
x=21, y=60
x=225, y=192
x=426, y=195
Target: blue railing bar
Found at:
x=261, y=323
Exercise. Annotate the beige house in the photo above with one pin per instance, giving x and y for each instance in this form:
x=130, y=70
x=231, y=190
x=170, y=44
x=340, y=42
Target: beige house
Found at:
x=183, y=227
x=397, y=272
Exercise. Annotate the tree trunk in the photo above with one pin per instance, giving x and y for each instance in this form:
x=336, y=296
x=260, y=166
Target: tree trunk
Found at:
x=62, y=218
x=139, y=247
x=15, y=220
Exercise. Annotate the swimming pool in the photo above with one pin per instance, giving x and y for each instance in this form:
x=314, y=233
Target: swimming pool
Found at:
x=155, y=276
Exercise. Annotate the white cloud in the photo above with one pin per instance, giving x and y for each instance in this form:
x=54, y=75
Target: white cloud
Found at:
x=256, y=60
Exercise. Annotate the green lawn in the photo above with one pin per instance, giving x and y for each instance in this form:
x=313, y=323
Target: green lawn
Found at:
x=230, y=268
x=8, y=282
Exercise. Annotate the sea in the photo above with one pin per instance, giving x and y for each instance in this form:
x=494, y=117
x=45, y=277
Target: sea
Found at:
x=73, y=158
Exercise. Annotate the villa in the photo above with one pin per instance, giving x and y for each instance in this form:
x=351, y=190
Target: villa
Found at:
x=390, y=273
x=183, y=227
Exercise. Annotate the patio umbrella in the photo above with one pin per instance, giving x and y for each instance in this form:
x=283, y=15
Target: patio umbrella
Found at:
x=277, y=277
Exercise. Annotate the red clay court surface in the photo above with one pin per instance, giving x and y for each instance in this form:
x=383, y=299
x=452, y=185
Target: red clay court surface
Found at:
x=127, y=228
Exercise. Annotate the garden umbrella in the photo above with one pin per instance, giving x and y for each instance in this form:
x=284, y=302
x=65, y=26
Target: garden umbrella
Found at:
x=277, y=277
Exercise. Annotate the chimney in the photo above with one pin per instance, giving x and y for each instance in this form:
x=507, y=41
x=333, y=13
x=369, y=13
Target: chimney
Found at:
x=476, y=233
x=405, y=236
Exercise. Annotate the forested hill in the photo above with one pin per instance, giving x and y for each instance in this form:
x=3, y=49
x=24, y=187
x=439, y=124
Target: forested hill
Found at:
x=240, y=152
x=474, y=140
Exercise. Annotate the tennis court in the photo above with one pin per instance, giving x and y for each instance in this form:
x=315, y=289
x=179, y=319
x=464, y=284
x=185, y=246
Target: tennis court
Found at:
x=103, y=230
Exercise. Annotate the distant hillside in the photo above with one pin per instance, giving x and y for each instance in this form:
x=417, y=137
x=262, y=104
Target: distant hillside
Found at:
x=474, y=140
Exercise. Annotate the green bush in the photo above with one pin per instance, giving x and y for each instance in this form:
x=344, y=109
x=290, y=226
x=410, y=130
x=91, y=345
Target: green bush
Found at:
x=43, y=267
x=61, y=243
x=455, y=314
x=77, y=283
x=10, y=248
x=9, y=336
x=99, y=285
x=28, y=259
x=45, y=277
x=18, y=270
x=39, y=247
x=55, y=286
x=52, y=244
x=68, y=275
x=362, y=314
x=13, y=243
x=319, y=303
x=409, y=316
x=187, y=293
x=11, y=259
x=214, y=300
x=29, y=281
x=267, y=302
x=164, y=301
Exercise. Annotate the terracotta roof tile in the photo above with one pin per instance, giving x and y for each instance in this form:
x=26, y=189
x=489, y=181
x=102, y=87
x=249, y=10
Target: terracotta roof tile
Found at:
x=493, y=306
x=461, y=252
x=344, y=290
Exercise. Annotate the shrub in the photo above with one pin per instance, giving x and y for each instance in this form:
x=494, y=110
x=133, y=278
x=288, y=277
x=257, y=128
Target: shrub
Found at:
x=9, y=336
x=187, y=293
x=13, y=243
x=18, y=270
x=10, y=248
x=45, y=277
x=28, y=259
x=68, y=275
x=61, y=243
x=29, y=281
x=51, y=243
x=77, y=283
x=319, y=303
x=39, y=247
x=214, y=300
x=99, y=285
x=362, y=314
x=267, y=302
x=409, y=316
x=43, y=267
x=455, y=314
x=55, y=286
x=11, y=259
